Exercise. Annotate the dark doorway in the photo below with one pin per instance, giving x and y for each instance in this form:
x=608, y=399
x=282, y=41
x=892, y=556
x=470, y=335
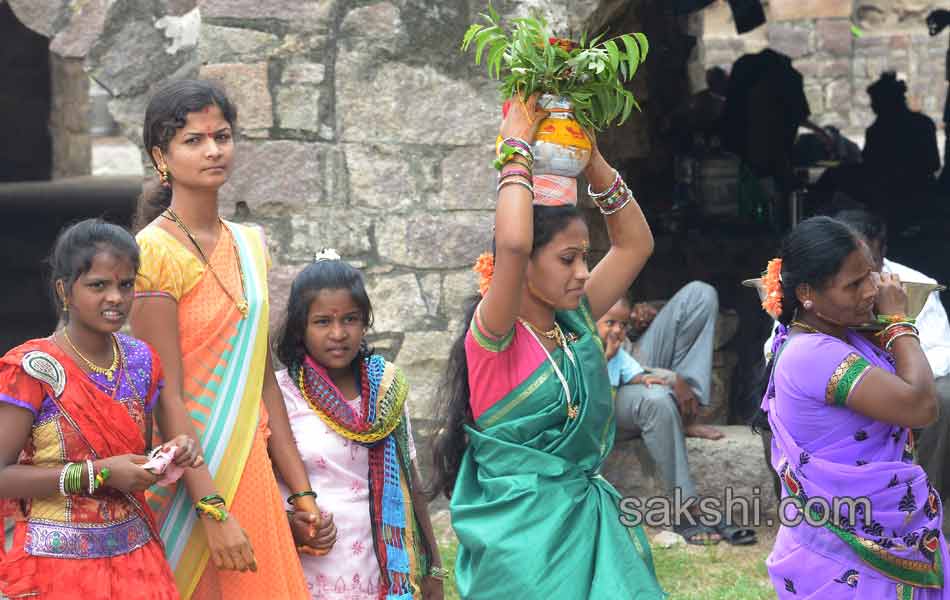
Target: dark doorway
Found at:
x=31, y=216
x=25, y=142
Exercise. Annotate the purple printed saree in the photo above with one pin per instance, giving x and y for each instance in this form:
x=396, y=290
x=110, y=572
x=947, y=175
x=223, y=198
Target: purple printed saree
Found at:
x=824, y=452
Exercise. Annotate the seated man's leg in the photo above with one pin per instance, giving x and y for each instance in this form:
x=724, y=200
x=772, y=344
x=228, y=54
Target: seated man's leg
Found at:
x=933, y=445
x=681, y=337
x=653, y=410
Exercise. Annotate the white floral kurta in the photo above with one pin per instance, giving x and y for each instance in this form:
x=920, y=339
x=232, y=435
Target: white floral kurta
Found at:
x=338, y=471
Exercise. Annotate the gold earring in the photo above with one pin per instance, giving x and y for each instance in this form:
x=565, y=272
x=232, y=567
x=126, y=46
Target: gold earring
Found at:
x=61, y=289
x=163, y=174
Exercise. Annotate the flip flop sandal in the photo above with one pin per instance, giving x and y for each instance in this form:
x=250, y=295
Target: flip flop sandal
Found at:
x=692, y=534
x=737, y=536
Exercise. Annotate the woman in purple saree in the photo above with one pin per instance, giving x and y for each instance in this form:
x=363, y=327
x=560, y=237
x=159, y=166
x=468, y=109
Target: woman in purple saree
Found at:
x=840, y=409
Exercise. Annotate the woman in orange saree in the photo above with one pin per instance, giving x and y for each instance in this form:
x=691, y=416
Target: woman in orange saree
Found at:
x=203, y=304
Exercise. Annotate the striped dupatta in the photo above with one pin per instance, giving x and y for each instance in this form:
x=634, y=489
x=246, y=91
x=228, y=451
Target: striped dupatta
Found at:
x=223, y=361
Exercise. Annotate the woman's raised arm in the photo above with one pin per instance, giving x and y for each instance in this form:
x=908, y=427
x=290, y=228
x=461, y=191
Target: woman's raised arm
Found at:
x=513, y=223
x=631, y=242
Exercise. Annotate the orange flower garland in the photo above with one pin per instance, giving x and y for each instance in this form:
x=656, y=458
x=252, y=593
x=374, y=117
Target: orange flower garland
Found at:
x=772, y=283
x=485, y=267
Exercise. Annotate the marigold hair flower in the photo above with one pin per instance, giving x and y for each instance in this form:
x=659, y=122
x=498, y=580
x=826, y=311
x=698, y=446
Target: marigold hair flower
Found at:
x=485, y=267
x=772, y=284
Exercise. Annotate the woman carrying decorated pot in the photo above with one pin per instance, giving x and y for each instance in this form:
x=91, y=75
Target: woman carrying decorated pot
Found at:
x=840, y=405
x=529, y=416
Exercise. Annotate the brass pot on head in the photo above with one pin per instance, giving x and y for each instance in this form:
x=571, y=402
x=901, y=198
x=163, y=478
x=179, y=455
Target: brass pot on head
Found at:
x=917, y=294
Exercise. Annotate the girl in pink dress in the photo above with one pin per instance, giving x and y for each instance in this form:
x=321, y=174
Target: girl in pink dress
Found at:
x=348, y=412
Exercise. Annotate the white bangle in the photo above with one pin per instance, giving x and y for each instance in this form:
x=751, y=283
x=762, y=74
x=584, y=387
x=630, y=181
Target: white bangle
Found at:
x=62, y=480
x=514, y=181
x=610, y=188
x=890, y=342
x=91, y=474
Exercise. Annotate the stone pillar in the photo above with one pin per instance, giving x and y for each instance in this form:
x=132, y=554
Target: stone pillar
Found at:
x=69, y=122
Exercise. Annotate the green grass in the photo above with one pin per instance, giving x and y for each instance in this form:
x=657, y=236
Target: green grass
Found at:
x=448, y=551
x=720, y=572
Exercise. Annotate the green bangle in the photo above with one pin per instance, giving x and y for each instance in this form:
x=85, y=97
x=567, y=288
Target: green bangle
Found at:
x=292, y=497
x=216, y=512
x=102, y=477
x=212, y=499
x=74, y=478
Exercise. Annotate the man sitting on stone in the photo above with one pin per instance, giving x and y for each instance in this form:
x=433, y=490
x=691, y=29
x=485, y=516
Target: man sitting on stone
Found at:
x=676, y=342
x=654, y=401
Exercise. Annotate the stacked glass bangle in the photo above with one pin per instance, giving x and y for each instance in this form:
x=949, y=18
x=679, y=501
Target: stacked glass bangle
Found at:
x=513, y=175
x=70, y=479
x=613, y=198
x=212, y=506
x=894, y=331
x=515, y=172
x=595, y=196
x=511, y=148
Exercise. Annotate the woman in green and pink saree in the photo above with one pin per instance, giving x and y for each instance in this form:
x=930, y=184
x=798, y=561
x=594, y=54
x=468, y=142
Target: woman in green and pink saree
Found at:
x=529, y=419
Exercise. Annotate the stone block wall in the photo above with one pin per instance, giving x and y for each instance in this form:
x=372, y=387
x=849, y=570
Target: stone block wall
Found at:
x=837, y=65
x=367, y=131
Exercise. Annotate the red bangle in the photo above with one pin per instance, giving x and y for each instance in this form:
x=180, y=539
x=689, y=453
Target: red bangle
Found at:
x=892, y=332
x=512, y=172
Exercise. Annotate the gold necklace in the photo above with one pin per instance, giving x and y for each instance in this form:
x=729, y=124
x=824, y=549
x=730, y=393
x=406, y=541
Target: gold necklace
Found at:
x=240, y=304
x=572, y=409
x=108, y=372
x=808, y=328
x=555, y=334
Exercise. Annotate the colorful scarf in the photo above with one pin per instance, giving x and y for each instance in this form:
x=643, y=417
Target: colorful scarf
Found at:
x=380, y=427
